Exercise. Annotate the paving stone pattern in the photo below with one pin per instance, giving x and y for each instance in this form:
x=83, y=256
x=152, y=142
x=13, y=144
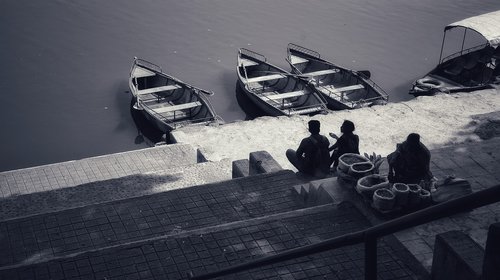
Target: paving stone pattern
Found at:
x=173, y=257
x=36, y=238
x=73, y=173
x=114, y=189
x=479, y=163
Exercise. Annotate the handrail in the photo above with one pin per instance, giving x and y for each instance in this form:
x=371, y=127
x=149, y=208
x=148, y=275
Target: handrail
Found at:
x=253, y=54
x=211, y=108
x=304, y=50
x=374, y=85
x=147, y=64
x=369, y=236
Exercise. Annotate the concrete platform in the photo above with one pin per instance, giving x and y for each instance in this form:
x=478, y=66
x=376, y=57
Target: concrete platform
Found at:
x=114, y=189
x=73, y=173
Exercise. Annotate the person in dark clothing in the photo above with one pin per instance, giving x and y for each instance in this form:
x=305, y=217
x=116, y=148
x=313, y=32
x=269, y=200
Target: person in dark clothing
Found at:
x=312, y=156
x=410, y=163
x=348, y=142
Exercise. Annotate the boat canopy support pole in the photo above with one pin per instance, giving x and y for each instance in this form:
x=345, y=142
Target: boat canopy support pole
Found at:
x=463, y=41
x=442, y=46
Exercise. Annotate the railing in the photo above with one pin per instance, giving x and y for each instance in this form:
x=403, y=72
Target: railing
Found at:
x=253, y=54
x=147, y=64
x=301, y=49
x=375, y=86
x=210, y=107
x=462, y=52
x=369, y=236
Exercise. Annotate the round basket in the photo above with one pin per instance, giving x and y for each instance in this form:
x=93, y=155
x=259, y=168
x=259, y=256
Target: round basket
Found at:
x=348, y=159
x=402, y=191
x=360, y=169
x=367, y=185
x=425, y=197
x=346, y=177
x=384, y=199
x=414, y=195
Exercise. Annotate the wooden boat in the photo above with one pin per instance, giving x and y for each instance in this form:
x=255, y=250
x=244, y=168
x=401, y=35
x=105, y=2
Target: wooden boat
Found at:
x=166, y=101
x=342, y=88
x=469, y=69
x=274, y=90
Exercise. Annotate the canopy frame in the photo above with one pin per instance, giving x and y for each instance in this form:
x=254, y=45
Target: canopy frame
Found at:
x=486, y=25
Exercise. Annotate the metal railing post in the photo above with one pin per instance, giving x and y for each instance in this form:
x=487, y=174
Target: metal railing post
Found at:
x=442, y=46
x=370, y=257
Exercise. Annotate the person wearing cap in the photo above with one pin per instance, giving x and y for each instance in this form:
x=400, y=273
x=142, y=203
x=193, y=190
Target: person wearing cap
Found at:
x=312, y=156
x=348, y=142
x=410, y=163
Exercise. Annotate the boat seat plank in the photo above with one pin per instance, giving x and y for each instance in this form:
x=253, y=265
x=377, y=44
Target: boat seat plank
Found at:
x=247, y=62
x=158, y=89
x=342, y=89
x=265, y=78
x=321, y=72
x=297, y=59
x=306, y=111
x=173, y=108
x=286, y=95
x=142, y=72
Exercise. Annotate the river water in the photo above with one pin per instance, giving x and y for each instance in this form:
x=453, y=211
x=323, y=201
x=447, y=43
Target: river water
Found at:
x=65, y=64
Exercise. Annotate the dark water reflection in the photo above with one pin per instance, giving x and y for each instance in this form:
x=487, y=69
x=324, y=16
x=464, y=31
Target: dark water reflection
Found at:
x=65, y=64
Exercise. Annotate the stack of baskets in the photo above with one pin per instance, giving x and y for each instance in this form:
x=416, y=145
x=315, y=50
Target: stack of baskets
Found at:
x=400, y=197
x=352, y=167
x=367, y=185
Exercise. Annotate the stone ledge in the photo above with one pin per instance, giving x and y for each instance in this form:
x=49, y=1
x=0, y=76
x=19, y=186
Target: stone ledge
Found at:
x=263, y=162
x=456, y=256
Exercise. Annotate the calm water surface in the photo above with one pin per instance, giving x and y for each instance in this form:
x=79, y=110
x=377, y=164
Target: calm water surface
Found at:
x=65, y=64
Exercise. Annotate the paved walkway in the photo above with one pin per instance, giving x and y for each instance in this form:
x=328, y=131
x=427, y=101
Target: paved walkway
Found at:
x=73, y=173
x=209, y=249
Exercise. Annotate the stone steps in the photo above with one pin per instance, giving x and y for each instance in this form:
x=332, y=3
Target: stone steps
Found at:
x=136, y=185
x=318, y=192
x=46, y=236
x=88, y=170
x=212, y=247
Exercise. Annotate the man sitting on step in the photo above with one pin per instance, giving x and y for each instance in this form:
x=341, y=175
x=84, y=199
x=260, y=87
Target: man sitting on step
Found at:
x=312, y=157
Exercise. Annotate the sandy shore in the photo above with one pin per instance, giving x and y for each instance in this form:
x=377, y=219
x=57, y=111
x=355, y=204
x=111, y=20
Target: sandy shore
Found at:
x=440, y=120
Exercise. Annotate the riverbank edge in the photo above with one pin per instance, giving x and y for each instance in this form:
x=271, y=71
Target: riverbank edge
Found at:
x=441, y=120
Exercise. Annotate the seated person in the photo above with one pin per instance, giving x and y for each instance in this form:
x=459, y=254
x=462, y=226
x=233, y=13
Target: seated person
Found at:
x=312, y=156
x=410, y=163
x=348, y=142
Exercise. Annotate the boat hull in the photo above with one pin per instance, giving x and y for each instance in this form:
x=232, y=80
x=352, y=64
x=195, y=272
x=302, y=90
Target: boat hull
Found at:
x=167, y=102
x=273, y=90
x=342, y=88
x=263, y=106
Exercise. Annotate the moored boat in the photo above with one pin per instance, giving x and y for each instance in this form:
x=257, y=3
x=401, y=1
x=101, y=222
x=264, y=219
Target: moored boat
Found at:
x=167, y=101
x=274, y=90
x=469, y=69
x=342, y=88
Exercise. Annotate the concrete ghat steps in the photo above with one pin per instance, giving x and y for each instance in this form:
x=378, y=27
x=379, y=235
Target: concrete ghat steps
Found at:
x=318, y=192
x=41, y=237
x=210, y=248
x=114, y=189
x=77, y=172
